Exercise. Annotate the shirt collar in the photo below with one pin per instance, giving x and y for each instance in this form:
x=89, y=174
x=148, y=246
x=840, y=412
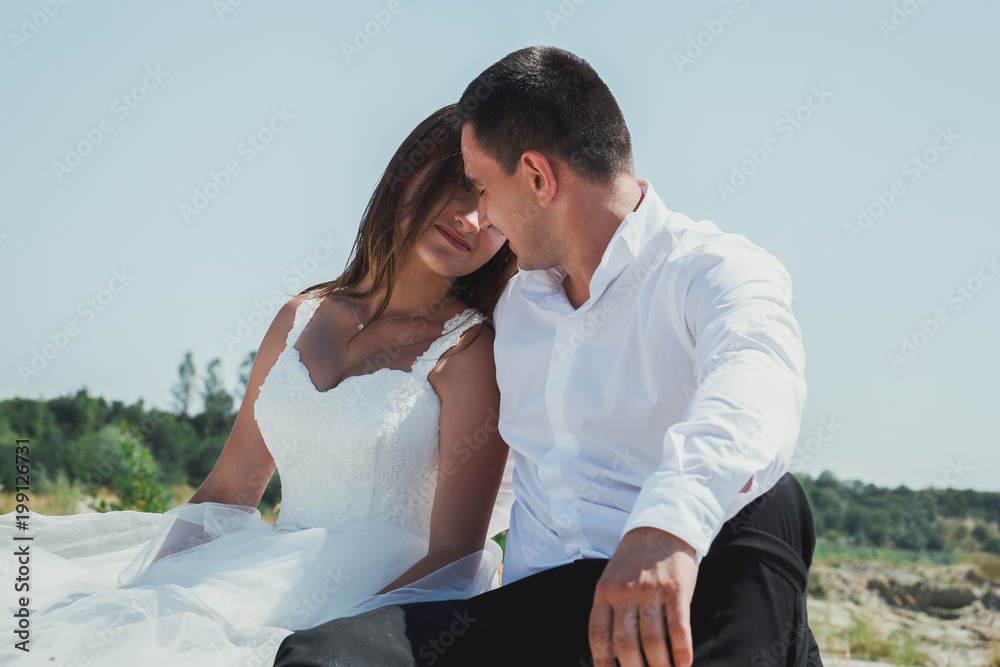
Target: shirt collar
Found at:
x=543, y=287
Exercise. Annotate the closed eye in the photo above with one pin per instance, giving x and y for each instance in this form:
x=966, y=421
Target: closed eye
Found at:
x=466, y=183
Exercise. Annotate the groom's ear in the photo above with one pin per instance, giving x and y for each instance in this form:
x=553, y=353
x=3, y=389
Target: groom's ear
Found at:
x=539, y=177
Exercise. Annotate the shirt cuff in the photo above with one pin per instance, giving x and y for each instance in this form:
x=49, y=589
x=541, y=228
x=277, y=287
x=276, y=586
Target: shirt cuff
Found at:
x=681, y=506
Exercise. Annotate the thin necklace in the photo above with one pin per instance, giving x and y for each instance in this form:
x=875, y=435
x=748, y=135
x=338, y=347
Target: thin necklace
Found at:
x=395, y=317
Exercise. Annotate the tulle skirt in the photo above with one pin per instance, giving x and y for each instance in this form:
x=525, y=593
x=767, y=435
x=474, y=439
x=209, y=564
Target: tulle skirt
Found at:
x=203, y=584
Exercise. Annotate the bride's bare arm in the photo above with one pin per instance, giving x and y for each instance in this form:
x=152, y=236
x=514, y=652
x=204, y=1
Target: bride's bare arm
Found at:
x=470, y=467
x=245, y=466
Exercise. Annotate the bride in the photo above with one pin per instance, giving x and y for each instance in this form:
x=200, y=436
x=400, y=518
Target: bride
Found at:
x=375, y=397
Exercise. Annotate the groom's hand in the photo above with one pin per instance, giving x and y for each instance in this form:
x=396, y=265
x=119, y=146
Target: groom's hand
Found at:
x=644, y=595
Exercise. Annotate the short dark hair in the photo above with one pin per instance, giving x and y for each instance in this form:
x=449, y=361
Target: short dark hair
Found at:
x=547, y=99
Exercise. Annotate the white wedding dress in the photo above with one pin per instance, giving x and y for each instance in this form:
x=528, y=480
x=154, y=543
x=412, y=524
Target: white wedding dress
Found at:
x=358, y=466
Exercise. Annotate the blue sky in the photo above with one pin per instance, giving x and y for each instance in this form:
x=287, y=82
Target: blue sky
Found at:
x=271, y=122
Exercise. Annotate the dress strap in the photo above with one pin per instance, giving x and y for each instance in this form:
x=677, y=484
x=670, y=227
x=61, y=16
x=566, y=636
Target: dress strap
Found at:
x=303, y=313
x=452, y=332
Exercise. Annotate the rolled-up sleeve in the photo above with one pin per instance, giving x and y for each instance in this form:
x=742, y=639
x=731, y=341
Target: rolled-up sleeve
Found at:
x=745, y=412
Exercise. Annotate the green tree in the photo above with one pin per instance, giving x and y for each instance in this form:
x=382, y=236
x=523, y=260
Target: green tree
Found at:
x=245, y=367
x=78, y=414
x=185, y=385
x=32, y=420
x=174, y=444
x=855, y=521
x=829, y=510
x=980, y=531
x=218, y=402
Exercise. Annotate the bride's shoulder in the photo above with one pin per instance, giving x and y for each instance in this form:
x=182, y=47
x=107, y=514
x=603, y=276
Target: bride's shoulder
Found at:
x=285, y=317
x=460, y=324
x=471, y=352
x=461, y=314
x=464, y=376
x=296, y=309
x=302, y=306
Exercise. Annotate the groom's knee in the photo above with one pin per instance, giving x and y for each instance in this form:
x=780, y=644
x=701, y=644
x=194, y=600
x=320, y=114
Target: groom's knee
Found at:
x=377, y=637
x=782, y=511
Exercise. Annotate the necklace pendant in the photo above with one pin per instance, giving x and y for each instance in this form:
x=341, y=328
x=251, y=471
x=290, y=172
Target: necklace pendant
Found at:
x=360, y=327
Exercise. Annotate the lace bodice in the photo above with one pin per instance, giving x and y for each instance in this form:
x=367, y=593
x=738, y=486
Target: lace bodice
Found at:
x=367, y=448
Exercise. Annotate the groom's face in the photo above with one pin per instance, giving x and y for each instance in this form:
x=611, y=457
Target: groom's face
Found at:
x=504, y=204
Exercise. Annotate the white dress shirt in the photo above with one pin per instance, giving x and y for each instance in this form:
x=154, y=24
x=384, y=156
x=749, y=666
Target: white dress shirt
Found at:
x=655, y=401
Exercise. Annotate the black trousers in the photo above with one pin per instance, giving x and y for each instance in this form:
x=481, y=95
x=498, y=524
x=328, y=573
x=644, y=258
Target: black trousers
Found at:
x=748, y=608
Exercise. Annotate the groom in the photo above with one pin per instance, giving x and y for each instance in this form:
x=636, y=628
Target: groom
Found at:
x=651, y=378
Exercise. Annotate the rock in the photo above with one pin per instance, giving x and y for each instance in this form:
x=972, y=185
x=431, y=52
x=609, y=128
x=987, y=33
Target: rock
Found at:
x=991, y=599
x=940, y=611
x=895, y=587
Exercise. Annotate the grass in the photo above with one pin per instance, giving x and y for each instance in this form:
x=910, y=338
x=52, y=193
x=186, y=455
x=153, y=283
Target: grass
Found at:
x=52, y=497
x=56, y=496
x=59, y=497
x=501, y=539
x=836, y=553
x=823, y=629
x=985, y=566
x=865, y=639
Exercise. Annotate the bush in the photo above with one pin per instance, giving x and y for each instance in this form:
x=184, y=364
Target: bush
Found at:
x=136, y=481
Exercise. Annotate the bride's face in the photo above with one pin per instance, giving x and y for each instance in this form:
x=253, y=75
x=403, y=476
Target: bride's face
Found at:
x=455, y=244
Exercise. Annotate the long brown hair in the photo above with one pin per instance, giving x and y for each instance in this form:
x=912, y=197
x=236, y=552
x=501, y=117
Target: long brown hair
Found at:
x=383, y=240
